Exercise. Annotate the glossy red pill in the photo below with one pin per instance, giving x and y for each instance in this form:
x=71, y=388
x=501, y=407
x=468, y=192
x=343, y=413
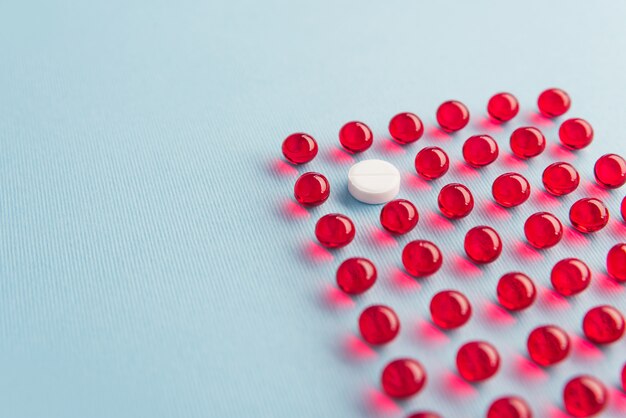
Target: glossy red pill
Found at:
x=299, y=148
x=403, y=378
x=603, y=324
x=570, y=276
x=553, y=102
x=584, y=396
x=560, y=178
x=450, y=309
x=616, y=262
x=399, y=216
x=334, y=230
x=576, y=133
x=424, y=414
x=452, y=116
x=379, y=324
x=356, y=275
x=510, y=189
x=455, y=201
x=543, y=230
x=480, y=150
x=421, y=258
x=588, y=215
x=482, y=244
x=432, y=163
x=311, y=189
x=516, y=291
x=527, y=142
x=477, y=361
x=548, y=345
x=610, y=171
x=509, y=407
x=406, y=128
x=356, y=136
x=503, y=107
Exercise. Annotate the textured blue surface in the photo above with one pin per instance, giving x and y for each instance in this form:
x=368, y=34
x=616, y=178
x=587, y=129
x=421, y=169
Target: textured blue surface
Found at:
x=151, y=261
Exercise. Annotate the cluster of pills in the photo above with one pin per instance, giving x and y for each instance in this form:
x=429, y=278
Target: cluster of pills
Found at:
x=377, y=182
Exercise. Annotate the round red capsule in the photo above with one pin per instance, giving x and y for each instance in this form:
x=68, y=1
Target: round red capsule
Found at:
x=527, y=142
x=421, y=258
x=406, y=128
x=589, y=215
x=356, y=136
x=576, y=133
x=299, y=148
x=482, y=244
x=616, y=262
x=455, y=201
x=603, y=324
x=610, y=171
x=543, y=230
x=452, y=116
x=424, y=414
x=570, y=276
x=510, y=189
x=379, y=324
x=432, y=163
x=560, y=178
x=509, y=407
x=503, y=107
x=356, y=275
x=584, y=396
x=516, y=291
x=311, y=189
x=399, y=216
x=334, y=230
x=553, y=102
x=548, y=345
x=450, y=309
x=477, y=361
x=403, y=378
x=480, y=150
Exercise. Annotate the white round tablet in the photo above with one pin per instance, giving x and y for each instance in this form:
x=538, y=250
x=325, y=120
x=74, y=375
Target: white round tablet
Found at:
x=373, y=181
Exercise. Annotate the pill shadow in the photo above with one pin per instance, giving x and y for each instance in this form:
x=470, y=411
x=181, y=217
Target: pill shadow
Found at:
x=489, y=124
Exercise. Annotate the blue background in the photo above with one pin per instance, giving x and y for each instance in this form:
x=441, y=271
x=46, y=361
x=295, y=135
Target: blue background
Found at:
x=152, y=260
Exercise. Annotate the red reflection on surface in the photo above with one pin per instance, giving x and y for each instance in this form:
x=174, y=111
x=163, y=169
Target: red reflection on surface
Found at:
x=553, y=300
x=465, y=170
x=489, y=124
x=335, y=298
x=339, y=156
x=282, y=168
x=493, y=210
x=458, y=386
x=439, y=223
x=596, y=191
x=559, y=152
x=438, y=133
x=585, y=348
x=430, y=333
x=618, y=400
x=544, y=199
x=380, y=237
x=498, y=314
x=512, y=162
x=538, y=119
x=465, y=267
x=356, y=349
x=575, y=237
x=555, y=412
x=416, y=182
x=403, y=281
x=605, y=282
x=528, y=369
x=292, y=210
x=380, y=403
x=316, y=253
x=527, y=251
x=389, y=146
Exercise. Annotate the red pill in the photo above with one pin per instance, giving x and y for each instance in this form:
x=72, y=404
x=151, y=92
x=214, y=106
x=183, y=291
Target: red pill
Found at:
x=548, y=345
x=603, y=324
x=624, y=378
x=399, y=216
x=424, y=414
x=455, y=201
x=334, y=230
x=356, y=136
x=527, y=142
x=482, y=244
x=311, y=189
x=450, y=309
x=432, y=163
x=543, y=230
x=403, y=378
x=509, y=407
x=616, y=262
x=553, y=102
x=299, y=148
x=480, y=150
x=406, y=128
x=576, y=133
x=510, y=189
x=356, y=275
x=477, y=361
x=452, y=116
x=379, y=324
x=610, y=171
x=560, y=178
x=516, y=291
x=584, y=396
x=503, y=107
x=421, y=258
x=570, y=276
x=589, y=215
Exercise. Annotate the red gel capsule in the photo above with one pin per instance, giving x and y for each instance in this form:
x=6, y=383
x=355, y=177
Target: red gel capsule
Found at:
x=527, y=142
x=356, y=275
x=509, y=407
x=510, y=189
x=452, y=116
x=455, y=201
x=610, y=171
x=584, y=396
x=553, y=102
x=403, y=378
x=379, y=324
x=480, y=150
x=543, y=230
x=516, y=291
x=356, y=136
x=399, y=216
x=450, y=309
x=406, y=128
x=334, y=230
x=616, y=262
x=432, y=163
x=548, y=345
x=421, y=258
x=482, y=244
x=424, y=414
x=576, y=133
x=589, y=215
x=477, y=361
x=560, y=179
x=603, y=324
x=570, y=276
x=503, y=107
x=299, y=148
x=311, y=189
